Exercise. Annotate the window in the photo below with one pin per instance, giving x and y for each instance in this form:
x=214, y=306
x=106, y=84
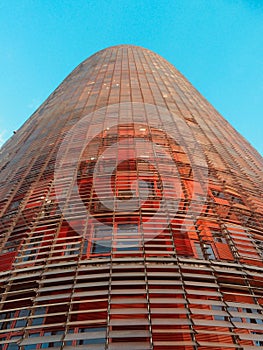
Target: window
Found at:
x=259, y=245
x=218, y=236
x=22, y=322
x=14, y=205
x=101, y=247
x=218, y=317
x=148, y=187
x=102, y=232
x=218, y=194
x=234, y=310
x=71, y=249
x=253, y=319
x=124, y=194
x=237, y=199
x=102, y=240
x=98, y=336
x=51, y=345
x=5, y=316
x=85, y=247
x=209, y=251
x=128, y=245
x=198, y=250
x=39, y=320
x=11, y=246
x=124, y=229
x=258, y=342
x=127, y=237
x=12, y=346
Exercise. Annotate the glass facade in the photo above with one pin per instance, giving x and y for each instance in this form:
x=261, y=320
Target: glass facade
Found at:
x=155, y=241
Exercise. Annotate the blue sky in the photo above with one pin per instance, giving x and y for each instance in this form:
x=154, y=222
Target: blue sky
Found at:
x=216, y=44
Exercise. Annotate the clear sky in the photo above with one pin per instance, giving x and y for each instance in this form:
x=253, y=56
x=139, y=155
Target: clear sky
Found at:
x=216, y=44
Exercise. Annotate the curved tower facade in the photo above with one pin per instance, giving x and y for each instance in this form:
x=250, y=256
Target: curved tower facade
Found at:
x=131, y=217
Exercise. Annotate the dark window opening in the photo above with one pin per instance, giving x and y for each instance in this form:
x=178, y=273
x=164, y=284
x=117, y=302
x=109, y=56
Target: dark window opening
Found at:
x=237, y=199
x=218, y=236
x=209, y=251
x=101, y=247
x=218, y=194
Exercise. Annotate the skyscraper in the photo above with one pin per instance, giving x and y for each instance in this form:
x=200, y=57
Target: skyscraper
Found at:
x=131, y=217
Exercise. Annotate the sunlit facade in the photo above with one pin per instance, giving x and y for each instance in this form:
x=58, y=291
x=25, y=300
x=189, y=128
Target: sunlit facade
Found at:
x=147, y=245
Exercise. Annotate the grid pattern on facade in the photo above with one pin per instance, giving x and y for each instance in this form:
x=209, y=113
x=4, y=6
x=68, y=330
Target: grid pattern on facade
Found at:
x=196, y=284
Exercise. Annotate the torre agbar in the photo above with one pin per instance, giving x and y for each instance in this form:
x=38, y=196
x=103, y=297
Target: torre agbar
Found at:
x=131, y=217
